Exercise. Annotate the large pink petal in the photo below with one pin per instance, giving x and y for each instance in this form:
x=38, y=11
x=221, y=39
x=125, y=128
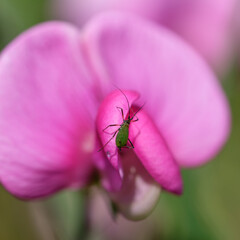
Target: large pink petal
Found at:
x=183, y=97
x=46, y=127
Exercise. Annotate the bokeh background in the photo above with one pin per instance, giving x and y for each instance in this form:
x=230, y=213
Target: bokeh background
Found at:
x=208, y=209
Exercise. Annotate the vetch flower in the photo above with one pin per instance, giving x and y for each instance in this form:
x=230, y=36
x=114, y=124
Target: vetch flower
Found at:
x=57, y=94
x=205, y=24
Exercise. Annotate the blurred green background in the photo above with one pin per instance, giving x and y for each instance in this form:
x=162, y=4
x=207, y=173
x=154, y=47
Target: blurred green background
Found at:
x=208, y=209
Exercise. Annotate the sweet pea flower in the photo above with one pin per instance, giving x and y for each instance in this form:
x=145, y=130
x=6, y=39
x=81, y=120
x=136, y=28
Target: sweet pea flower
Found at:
x=205, y=24
x=59, y=90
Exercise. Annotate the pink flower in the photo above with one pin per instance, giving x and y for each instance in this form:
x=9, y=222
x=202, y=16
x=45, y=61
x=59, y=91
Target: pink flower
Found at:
x=205, y=24
x=57, y=86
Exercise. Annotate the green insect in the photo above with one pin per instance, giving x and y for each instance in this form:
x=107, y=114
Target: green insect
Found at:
x=122, y=132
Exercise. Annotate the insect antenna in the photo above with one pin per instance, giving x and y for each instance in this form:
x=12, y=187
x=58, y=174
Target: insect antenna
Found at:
x=126, y=99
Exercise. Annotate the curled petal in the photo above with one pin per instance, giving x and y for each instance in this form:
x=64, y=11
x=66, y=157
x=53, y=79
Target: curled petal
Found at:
x=46, y=132
x=183, y=96
x=148, y=143
x=154, y=154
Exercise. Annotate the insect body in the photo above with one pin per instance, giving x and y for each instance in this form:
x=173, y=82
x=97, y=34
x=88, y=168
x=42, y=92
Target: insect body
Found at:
x=122, y=132
x=122, y=136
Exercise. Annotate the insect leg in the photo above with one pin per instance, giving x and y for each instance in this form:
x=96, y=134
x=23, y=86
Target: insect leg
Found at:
x=121, y=112
x=135, y=119
x=111, y=125
x=108, y=141
x=128, y=147
x=130, y=143
x=129, y=115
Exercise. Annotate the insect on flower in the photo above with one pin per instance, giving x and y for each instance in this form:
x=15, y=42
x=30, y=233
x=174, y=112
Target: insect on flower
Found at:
x=122, y=132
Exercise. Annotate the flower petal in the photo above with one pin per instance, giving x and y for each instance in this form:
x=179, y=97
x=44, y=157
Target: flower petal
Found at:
x=46, y=128
x=183, y=96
